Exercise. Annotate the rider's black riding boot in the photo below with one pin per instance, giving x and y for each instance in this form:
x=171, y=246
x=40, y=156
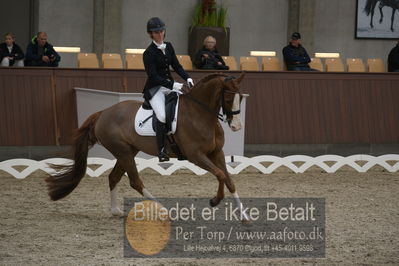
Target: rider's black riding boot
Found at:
x=161, y=135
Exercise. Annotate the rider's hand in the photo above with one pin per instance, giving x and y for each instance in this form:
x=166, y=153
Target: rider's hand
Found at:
x=190, y=82
x=177, y=86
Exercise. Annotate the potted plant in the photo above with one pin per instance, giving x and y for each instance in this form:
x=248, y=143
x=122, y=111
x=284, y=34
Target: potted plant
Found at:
x=209, y=19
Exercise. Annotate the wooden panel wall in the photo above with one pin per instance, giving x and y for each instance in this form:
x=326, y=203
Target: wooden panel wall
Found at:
x=27, y=114
x=38, y=106
x=316, y=108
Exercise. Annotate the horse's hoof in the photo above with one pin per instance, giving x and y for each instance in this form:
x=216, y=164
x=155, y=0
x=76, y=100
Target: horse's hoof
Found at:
x=117, y=212
x=214, y=202
x=246, y=222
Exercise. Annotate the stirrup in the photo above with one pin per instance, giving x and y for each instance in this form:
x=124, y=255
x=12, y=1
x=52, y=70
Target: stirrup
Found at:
x=163, y=156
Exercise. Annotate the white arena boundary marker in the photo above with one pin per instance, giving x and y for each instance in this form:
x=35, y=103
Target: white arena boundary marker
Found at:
x=240, y=164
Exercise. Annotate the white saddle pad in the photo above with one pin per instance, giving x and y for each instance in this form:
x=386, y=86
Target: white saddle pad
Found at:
x=145, y=129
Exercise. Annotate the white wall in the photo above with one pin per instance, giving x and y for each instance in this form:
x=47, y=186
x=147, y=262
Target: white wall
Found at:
x=67, y=23
x=255, y=25
x=176, y=14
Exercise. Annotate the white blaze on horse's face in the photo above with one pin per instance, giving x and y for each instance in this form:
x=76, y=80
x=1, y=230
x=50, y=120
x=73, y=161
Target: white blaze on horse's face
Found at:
x=235, y=123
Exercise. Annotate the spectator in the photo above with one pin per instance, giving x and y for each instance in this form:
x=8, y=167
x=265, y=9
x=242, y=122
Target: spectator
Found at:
x=295, y=56
x=10, y=53
x=208, y=57
x=393, y=59
x=41, y=53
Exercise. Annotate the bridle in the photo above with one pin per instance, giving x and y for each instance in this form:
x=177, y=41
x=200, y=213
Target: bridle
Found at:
x=225, y=113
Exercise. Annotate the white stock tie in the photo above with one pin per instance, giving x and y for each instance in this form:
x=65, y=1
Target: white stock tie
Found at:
x=162, y=47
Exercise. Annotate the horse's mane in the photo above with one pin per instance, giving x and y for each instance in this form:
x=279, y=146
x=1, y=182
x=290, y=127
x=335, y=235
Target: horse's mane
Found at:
x=209, y=77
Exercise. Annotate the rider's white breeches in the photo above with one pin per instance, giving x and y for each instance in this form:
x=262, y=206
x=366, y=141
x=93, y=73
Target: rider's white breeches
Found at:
x=158, y=103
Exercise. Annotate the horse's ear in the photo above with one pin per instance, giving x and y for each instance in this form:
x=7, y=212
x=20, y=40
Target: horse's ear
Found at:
x=239, y=79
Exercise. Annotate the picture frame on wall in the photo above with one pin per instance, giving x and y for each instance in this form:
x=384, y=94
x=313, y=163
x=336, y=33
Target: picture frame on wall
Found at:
x=377, y=19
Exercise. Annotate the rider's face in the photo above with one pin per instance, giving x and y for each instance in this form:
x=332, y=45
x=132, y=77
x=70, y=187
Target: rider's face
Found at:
x=158, y=36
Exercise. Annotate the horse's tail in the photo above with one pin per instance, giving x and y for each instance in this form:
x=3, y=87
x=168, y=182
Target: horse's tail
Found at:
x=60, y=185
x=369, y=5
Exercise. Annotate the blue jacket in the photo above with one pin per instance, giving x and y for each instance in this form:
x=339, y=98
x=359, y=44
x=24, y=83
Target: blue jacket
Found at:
x=32, y=57
x=16, y=52
x=295, y=56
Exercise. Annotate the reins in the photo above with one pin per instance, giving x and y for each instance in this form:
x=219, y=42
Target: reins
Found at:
x=208, y=109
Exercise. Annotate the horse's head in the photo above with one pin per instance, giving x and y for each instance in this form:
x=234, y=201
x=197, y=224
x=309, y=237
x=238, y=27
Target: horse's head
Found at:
x=231, y=101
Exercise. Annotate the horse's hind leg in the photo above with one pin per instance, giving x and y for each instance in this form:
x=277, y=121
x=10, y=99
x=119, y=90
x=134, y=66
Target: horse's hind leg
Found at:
x=392, y=18
x=382, y=14
x=372, y=16
x=114, y=178
x=129, y=165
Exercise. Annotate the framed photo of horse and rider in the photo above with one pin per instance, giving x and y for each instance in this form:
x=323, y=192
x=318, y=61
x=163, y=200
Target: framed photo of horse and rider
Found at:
x=375, y=19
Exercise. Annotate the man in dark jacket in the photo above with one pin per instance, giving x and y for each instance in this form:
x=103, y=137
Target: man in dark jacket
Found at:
x=10, y=53
x=41, y=53
x=393, y=59
x=295, y=56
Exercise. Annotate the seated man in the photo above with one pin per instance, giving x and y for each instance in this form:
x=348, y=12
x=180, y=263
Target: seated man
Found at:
x=10, y=53
x=295, y=56
x=41, y=53
x=393, y=59
x=208, y=57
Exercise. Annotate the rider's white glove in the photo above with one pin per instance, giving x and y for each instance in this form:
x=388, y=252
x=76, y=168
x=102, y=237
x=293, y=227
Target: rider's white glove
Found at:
x=177, y=86
x=190, y=82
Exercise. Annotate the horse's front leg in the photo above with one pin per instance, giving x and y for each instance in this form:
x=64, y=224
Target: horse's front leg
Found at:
x=218, y=159
x=223, y=177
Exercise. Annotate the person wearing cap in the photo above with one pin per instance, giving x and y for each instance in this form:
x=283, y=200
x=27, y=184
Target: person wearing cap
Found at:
x=295, y=56
x=393, y=59
x=158, y=57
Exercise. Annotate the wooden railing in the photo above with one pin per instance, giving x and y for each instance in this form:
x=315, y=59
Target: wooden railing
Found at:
x=38, y=106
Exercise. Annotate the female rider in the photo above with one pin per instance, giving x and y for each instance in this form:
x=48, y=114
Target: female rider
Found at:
x=158, y=57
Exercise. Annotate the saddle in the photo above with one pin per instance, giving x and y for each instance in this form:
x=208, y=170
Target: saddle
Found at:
x=146, y=121
x=171, y=101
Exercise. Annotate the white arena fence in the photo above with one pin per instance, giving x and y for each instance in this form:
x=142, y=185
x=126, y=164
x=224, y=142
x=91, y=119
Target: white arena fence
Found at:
x=266, y=164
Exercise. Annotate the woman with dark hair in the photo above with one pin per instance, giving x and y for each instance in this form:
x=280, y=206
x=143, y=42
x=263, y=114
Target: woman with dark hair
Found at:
x=158, y=57
x=10, y=53
x=208, y=57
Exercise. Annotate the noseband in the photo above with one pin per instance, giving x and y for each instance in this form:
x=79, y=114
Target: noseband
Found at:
x=226, y=112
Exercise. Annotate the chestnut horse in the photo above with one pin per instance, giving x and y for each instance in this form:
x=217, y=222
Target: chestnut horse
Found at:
x=199, y=136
